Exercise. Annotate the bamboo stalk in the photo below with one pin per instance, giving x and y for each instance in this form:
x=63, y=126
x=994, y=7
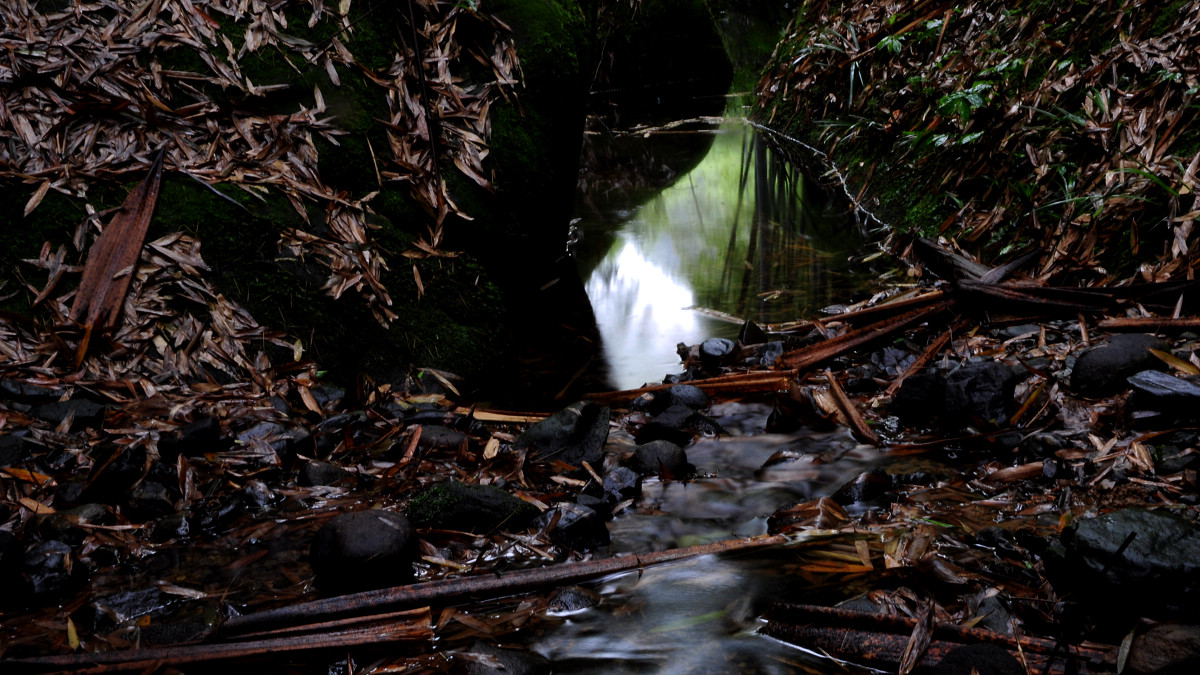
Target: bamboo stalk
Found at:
x=880, y=639
x=807, y=357
x=453, y=591
x=414, y=625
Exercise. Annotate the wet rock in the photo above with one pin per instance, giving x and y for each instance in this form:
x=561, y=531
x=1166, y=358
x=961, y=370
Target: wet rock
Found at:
x=67, y=525
x=714, y=352
x=600, y=505
x=116, y=470
x=283, y=440
x=329, y=433
x=752, y=334
x=454, y=505
x=892, y=361
x=1159, y=391
x=574, y=435
x=622, y=483
x=362, y=550
x=149, y=500
x=686, y=395
x=256, y=495
x=1158, y=567
x=1042, y=444
x=327, y=396
x=678, y=424
x=661, y=458
x=1165, y=649
x=574, y=526
x=982, y=659
x=49, y=571
x=322, y=473
x=16, y=449
x=485, y=659
x=981, y=392
x=105, y=613
x=218, y=512
x=193, y=439
x=1103, y=369
x=572, y=599
x=441, y=438
x=173, y=526
x=869, y=488
x=84, y=413
x=977, y=393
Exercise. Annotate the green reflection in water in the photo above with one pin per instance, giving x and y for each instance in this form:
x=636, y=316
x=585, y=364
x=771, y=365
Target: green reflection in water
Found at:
x=742, y=234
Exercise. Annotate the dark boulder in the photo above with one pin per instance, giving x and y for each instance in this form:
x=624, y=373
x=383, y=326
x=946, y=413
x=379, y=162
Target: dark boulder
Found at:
x=1134, y=559
x=454, y=505
x=362, y=550
x=661, y=458
x=980, y=393
x=977, y=393
x=574, y=435
x=1103, y=369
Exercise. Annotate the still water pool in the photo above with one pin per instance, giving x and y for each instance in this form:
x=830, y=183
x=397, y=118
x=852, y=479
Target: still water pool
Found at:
x=741, y=235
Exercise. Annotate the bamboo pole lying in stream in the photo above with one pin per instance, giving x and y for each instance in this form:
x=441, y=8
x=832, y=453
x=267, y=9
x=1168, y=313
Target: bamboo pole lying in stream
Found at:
x=461, y=590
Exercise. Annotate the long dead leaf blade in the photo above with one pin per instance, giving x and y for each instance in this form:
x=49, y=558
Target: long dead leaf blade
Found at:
x=102, y=289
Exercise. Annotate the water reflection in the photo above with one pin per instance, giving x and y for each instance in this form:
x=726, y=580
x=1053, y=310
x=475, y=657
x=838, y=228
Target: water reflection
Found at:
x=742, y=234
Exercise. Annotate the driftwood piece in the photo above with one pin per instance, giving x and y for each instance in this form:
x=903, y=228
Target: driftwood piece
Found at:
x=455, y=591
x=880, y=640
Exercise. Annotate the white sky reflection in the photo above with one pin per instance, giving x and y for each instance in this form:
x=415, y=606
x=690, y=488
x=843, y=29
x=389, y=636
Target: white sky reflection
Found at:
x=640, y=310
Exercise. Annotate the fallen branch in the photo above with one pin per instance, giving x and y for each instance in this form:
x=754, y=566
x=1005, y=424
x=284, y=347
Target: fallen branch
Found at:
x=454, y=591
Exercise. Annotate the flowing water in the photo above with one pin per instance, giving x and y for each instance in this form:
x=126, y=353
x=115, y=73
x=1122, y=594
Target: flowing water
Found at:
x=710, y=226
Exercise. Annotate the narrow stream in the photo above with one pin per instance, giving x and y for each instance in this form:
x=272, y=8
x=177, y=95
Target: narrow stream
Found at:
x=703, y=226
